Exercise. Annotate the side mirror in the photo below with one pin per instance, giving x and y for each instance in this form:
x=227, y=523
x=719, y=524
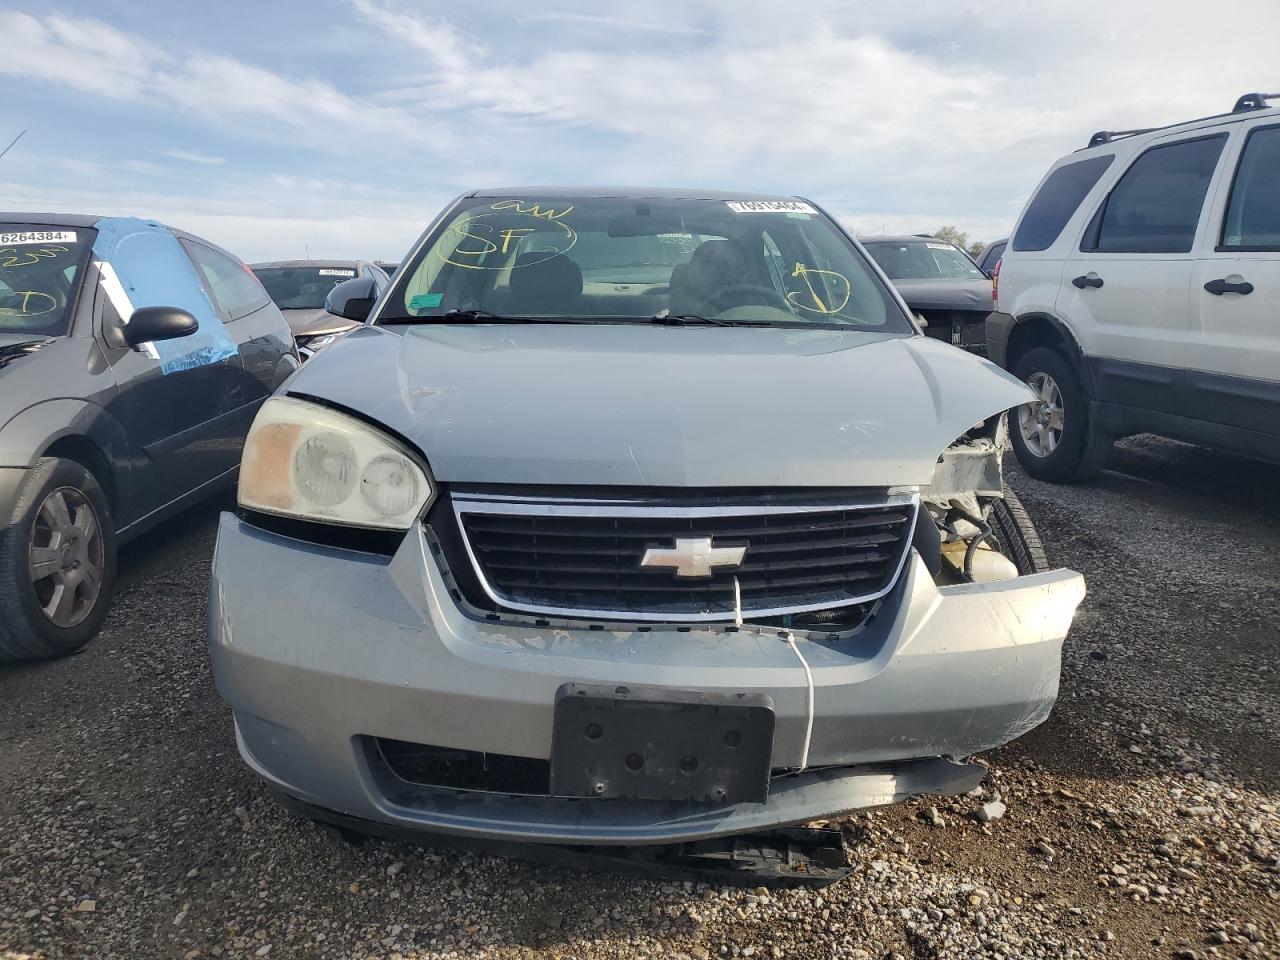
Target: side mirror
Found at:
x=352, y=299
x=148, y=324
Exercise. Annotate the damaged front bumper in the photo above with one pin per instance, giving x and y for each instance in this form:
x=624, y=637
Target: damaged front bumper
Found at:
x=326, y=656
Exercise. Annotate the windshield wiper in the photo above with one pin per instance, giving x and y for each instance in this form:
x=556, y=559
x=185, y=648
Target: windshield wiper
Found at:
x=669, y=319
x=468, y=316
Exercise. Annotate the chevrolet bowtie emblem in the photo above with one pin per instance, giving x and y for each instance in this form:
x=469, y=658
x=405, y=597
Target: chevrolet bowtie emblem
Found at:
x=692, y=557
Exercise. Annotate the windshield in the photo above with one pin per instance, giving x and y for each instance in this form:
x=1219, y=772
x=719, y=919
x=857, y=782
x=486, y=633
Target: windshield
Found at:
x=922, y=260
x=39, y=274
x=303, y=287
x=767, y=262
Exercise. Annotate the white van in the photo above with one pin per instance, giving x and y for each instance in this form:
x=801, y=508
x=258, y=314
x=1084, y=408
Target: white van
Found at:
x=1141, y=293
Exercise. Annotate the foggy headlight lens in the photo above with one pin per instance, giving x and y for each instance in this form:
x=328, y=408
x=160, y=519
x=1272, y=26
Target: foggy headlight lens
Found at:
x=325, y=468
x=389, y=485
x=307, y=461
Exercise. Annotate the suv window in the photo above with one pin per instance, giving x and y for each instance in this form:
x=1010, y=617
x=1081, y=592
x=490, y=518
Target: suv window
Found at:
x=1155, y=206
x=231, y=284
x=1055, y=202
x=1253, y=213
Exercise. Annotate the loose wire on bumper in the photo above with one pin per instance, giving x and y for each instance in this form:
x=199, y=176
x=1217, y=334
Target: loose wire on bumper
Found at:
x=808, y=702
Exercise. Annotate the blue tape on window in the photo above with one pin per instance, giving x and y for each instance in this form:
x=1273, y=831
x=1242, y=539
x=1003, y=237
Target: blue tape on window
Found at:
x=155, y=271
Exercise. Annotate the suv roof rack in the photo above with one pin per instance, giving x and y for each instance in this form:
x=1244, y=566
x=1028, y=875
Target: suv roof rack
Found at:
x=1250, y=101
x=1254, y=101
x=1106, y=136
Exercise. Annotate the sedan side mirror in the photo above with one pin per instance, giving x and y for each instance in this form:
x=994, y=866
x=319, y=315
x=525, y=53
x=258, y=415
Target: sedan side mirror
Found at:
x=352, y=299
x=148, y=324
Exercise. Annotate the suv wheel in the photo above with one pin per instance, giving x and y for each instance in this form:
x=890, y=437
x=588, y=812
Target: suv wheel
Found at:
x=57, y=563
x=1053, y=437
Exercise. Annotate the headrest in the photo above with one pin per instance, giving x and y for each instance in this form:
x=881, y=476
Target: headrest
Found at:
x=716, y=264
x=538, y=280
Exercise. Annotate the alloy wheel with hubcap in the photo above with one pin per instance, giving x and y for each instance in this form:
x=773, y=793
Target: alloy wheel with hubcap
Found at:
x=1041, y=422
x=1057, y=437
x=57, y=562
x=65, y=556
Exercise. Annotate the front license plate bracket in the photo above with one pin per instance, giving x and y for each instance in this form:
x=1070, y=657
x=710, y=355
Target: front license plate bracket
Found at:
x=638, y=743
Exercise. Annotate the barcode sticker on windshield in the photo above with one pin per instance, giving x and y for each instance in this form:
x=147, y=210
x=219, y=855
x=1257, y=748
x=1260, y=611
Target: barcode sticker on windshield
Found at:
x=938, y=246
x=337, y=273
x=770, y=206
x=37, y=236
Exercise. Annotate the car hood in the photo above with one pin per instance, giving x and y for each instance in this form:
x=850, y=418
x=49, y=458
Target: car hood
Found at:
x=946, y=294
x=314, y=323
x=627, y=404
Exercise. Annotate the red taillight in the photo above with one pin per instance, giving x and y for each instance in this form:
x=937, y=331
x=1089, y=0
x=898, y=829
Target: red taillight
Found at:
x=995, y=284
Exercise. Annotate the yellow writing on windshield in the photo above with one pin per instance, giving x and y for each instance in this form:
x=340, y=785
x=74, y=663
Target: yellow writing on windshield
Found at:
x=476, y=237
x=33, y=303
x=531, y=209
x=13, y=257
x=510, y=232
x=825, y=291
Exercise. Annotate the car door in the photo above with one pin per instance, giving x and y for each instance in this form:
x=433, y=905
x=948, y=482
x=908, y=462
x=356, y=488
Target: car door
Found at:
x=175, y=397
x=254, y=322
x=1235, y=377
x=1130, y=274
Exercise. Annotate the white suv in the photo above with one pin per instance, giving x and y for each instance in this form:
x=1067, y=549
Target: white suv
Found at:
x=1141, y=293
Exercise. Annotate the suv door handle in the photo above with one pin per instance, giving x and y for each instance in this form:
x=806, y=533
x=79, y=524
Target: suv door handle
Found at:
x=1219, y=287
x=1082, y=282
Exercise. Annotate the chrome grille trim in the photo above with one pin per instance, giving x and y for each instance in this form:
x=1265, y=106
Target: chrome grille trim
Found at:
x=490, y=505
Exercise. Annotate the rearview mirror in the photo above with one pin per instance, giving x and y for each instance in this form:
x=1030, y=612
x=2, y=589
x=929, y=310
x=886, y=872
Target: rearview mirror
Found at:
x=352, y=299
x=149, y=324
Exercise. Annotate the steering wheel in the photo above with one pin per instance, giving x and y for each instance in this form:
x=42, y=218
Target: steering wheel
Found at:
x=737, y=290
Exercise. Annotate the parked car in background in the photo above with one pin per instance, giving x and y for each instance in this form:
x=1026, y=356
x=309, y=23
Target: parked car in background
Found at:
x=1141, y=292
x=299, y=287
x=133, y=358
x=991, y=255
x=941, y=284
x=721, y=545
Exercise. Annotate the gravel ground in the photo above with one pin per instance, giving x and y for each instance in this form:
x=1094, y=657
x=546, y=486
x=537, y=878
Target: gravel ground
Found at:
x=1140, y=820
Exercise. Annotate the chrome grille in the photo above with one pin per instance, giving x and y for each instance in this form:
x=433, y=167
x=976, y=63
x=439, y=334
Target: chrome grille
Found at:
x=581, y=558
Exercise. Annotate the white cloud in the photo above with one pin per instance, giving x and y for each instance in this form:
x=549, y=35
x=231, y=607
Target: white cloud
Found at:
x=898, y=116
x=444, y=45
x=93, y=57
x=193, y=156
x=613, y=23
x=83, y=54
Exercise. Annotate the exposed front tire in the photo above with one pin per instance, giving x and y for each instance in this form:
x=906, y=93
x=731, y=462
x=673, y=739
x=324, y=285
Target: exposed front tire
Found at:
x=1017, y=536
x=1054, y=438
x=57, y=563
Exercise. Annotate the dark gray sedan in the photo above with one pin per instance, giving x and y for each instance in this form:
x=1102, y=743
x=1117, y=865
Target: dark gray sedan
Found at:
x=299, y=287
x=942, y=285
x=133, y=358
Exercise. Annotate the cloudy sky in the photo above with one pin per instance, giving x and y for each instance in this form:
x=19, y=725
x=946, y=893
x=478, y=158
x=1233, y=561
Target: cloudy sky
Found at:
x=275, y=127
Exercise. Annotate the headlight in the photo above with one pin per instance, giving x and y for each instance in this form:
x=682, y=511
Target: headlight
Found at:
x=315, y=343
x=307, y=461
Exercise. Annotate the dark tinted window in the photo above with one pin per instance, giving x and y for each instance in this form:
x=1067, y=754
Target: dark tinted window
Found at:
x=232, y=285
x=304, y=287
x=922, y=260
x=1156, y=204
x=991, y=255
x=1056, y=201
x=1253, y=214
x=40, y=269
